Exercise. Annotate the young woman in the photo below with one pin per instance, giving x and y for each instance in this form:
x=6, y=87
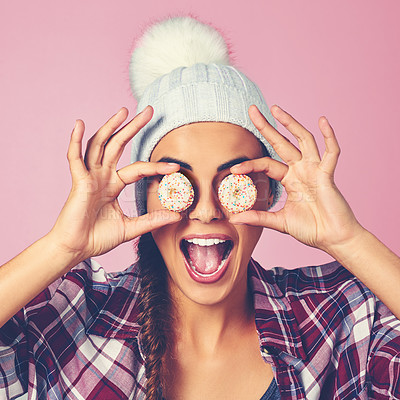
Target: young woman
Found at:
x=196, y=317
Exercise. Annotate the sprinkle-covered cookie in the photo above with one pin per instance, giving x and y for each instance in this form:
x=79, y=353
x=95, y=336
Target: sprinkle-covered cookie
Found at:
x=237, y=193
x=175, y=192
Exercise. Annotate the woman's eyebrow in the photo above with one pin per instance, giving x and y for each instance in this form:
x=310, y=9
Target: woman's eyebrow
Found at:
x=232, y=163
x=222, y=167
x=176, y=161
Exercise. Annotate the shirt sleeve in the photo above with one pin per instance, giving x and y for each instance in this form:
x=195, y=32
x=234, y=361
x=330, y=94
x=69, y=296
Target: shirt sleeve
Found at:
x=384, y=356
x=14, y=346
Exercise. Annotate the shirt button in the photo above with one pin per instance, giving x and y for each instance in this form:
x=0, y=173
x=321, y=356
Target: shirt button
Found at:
x=269, y=350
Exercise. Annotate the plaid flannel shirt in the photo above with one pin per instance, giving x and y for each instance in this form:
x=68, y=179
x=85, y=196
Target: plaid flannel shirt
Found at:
x=326, y=335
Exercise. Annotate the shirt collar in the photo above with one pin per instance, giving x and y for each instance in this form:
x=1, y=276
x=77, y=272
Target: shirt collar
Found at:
x=275, y=320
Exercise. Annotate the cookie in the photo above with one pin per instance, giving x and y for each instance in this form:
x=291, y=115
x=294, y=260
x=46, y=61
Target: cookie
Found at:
x=237, y=193
x=175, y=192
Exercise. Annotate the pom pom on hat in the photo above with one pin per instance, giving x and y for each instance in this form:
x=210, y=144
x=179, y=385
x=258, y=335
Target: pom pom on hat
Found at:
x=172, y=43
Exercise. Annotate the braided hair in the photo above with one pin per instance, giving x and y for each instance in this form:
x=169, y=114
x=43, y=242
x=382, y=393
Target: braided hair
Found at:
x=154, y=314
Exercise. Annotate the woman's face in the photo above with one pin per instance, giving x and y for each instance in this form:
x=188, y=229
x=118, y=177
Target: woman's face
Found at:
x=206, y=151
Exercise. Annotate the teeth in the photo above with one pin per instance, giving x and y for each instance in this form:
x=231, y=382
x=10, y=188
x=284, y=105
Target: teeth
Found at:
x=205, y=242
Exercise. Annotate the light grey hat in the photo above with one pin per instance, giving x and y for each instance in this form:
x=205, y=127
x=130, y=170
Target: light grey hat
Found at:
x=181, y=68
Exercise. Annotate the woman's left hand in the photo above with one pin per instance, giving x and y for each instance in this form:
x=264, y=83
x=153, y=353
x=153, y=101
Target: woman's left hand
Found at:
x=315, y=212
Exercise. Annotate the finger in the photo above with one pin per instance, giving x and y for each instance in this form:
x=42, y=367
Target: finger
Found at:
x=274, y=169
x=140, y=169
x=95, y=145
x=145, y=223
x=332, y=149
x=74, y=153
x=117, y=142
x=308, y=146
x=287, y=151
x=266, y=219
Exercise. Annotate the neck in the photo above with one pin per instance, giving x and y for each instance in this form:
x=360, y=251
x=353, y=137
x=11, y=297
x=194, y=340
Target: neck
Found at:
x=207, y=327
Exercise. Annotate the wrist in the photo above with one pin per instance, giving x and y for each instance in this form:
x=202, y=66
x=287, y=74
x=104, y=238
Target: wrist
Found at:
x=349, y=249
x=66, y=257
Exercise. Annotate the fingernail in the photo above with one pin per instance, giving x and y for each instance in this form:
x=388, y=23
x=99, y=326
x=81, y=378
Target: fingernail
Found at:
x=176, y=217
x=172, y=165
x=236, y=222
x=143, y=111
x=277, y=109
x=147, y=109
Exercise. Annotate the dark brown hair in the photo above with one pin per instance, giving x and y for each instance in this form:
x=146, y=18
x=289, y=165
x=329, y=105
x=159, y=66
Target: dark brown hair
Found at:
x=154, y=314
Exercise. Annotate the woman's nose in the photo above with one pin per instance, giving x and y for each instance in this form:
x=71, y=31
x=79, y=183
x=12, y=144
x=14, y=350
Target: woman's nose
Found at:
x=206, y=206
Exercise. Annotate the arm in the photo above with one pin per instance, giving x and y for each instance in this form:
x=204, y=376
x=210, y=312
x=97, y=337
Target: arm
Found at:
x=374, y=264
x=91, y=221
x=32, y=270
x=315, y=212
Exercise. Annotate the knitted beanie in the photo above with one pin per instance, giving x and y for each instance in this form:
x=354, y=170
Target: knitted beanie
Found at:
x=181, y=68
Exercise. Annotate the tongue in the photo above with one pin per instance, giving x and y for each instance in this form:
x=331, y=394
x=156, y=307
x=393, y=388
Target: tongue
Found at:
x=206, y=259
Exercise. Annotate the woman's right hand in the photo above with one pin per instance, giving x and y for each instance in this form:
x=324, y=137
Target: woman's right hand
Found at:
x=91, y=221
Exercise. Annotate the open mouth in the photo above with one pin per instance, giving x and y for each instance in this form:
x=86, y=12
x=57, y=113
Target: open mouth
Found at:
x=206, y=257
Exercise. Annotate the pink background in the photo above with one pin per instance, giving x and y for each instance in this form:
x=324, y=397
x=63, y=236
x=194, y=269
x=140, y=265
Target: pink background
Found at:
x=66, y=60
